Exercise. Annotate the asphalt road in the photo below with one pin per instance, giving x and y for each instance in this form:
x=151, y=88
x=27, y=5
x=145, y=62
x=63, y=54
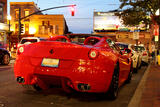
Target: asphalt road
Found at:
x=14, y=95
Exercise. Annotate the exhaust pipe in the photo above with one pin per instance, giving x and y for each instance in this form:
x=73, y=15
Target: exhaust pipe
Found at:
x=83, y=87
x=20, y=79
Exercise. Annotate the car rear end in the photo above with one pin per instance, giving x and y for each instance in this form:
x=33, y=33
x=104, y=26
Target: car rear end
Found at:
x=57, y=63
x=144, y=53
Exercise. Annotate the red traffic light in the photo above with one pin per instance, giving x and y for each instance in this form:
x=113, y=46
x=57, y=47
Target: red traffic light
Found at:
x=72, y=10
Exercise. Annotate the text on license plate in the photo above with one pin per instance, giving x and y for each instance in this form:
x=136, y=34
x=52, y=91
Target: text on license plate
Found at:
x=49, y=62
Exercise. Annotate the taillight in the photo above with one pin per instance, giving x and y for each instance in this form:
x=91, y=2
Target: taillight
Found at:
x=144, y=54
x=93, y=54
x=20, y=50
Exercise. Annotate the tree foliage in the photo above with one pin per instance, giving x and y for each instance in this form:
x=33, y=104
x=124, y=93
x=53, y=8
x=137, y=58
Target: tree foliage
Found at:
x=133, y=12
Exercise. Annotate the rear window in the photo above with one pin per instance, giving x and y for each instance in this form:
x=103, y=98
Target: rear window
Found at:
x=79, y=39
x=122, y=46
x=139, y=48
x=28, y=40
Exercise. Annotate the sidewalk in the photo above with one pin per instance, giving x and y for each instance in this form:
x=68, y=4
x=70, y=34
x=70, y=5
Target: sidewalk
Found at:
x=147, y=93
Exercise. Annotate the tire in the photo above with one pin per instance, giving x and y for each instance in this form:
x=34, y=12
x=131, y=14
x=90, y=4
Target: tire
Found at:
x=128, y=80
x=136, y=69
x=37, y=87
x=5, y=59
x=113, y=90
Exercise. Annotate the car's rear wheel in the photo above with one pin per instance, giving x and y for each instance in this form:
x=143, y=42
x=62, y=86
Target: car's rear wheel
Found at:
x=5, y=59
x=136, y=69
x=37, y=87
x=113, y=90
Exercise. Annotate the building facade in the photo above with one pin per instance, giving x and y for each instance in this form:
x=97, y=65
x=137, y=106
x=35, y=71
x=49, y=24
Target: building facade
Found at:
x=38, y=25
x=3, y=21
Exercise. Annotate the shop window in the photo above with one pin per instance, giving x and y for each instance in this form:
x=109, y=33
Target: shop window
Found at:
x=26, y=12
x=1, y=12
x=16, y=14
x=16, y=28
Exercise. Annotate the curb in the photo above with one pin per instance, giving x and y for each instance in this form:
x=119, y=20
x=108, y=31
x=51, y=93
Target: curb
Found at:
x=135, y=101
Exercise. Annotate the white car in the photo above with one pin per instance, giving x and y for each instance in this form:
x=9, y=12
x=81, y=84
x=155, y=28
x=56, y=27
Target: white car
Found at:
x=29, y=40
x=136, y=57
x=145, y=57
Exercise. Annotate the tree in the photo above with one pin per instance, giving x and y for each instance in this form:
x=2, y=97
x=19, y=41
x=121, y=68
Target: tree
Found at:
x=133, y=12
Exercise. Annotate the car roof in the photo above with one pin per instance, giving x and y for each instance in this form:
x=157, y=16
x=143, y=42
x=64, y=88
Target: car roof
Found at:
x=32, y=38
x=122, y=43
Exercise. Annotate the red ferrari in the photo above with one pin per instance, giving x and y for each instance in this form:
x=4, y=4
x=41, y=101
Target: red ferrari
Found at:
x=83, y=63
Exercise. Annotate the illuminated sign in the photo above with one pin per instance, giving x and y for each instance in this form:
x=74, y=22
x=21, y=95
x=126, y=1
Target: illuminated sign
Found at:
x=106, y=21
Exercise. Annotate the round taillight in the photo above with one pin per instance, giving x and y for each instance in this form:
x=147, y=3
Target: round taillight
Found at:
x=21, y=49
x=93, y=54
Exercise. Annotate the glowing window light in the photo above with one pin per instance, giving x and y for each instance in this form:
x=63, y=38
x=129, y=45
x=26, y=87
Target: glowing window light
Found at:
x=32, y=30
x=1, y=26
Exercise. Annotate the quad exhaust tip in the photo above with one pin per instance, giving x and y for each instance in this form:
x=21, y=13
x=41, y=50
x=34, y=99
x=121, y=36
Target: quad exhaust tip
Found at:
x=83, y=87
x=20, y=79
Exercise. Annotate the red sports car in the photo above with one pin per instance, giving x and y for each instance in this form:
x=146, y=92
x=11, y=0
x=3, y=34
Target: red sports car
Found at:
x=82, y=63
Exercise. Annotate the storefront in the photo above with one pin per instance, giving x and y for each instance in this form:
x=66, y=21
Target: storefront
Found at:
x=3, y=33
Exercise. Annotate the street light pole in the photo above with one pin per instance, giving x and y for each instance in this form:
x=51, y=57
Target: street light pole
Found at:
x=9, y=33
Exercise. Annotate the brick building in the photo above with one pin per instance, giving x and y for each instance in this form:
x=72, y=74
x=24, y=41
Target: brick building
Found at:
x=3, y=11
x=38, y=25
x=3, y=21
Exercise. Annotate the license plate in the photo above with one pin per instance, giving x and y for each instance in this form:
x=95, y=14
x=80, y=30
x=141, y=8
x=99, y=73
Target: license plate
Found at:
x=48, y=62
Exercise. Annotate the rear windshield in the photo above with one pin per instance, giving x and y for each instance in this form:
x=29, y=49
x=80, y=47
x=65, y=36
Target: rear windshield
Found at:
x=139, y=48
x=79, y=39
x=28, y=40
x=122, y=46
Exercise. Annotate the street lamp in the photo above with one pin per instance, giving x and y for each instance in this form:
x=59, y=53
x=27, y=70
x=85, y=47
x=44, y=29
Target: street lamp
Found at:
x=9, y=33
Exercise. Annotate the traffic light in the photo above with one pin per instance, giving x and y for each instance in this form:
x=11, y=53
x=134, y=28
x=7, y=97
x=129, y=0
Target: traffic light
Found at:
x=21, y=28
x=72, y=10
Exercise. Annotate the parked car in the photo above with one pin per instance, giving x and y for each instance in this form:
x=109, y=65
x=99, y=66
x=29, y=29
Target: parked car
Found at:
x=136, y=57
x=2, y=45
x=96, y=65
x=145, y=56
x=4, y=56
x=29, y=40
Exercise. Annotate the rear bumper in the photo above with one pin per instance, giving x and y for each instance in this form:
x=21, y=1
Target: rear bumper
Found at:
x=91, y=78
x=145, y=59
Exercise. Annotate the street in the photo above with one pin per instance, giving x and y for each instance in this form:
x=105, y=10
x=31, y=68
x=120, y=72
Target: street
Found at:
x=14, y=95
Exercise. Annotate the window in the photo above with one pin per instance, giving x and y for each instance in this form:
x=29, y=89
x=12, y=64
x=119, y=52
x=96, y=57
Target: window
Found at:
x=46, y=28
x=28, y=40
x=16, y=14
x=26, y=12
x=1, y=12
x=16, y=28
